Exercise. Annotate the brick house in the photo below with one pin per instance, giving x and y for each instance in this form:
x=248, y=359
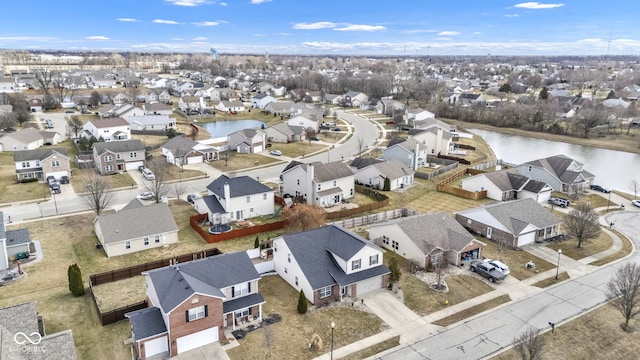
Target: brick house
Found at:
x=118, y=156
x=42, y=162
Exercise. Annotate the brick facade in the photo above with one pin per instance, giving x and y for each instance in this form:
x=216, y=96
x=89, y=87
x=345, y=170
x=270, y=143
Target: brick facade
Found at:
x=179, y=327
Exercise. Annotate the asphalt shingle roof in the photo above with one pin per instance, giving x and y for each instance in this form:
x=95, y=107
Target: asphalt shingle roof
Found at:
x=238, y=186
x=18, y=237
x=119, y=146
x=559, y=166
x=146, y=322
x=136, y=222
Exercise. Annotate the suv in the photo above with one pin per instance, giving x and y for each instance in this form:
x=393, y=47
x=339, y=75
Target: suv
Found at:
x=559, y=202
x=55, y=188
x=51, y=180
x=64, y=179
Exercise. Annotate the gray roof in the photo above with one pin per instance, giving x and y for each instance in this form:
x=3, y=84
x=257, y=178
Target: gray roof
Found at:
x=558, y=166
x=39, y=154
x=174, y=284
x=242, y=302
x=517, y=214
x=146, y=322
x=109, y=122
x=330, y=171
x=26, y=136
x=434, y=231
x=214, y=206
x=361, y=162
x=132, y=223
x=238, y=186
x=393, y=169
x=182, y=143
x=507, y=180
x=119, y=146
x=247, y=133
x=150, y=119
x=18, y=237
x=312, y=250
x=410, y=145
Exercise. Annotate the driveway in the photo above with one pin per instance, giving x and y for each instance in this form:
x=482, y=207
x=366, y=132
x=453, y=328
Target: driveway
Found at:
x=208, y=352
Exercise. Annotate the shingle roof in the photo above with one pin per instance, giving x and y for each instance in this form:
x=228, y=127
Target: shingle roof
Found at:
x=238, y=186
x=213, y=204
x=136, y=222
x=312, y=250
x=174, y=284
x=119, y=146
x=39, y=154
x=179, y=142
x=18, y=237
x=559, y=166
x=27, y=135
x=330, y=171
x=361, y=162
x=109, y=122
x=146, y=322
x=242, y=302
x=393, y=169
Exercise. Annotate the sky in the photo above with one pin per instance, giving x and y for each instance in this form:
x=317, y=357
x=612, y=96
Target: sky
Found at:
x=331, y=27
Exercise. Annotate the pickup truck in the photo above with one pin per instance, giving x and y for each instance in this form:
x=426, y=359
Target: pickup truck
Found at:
x=487, y=270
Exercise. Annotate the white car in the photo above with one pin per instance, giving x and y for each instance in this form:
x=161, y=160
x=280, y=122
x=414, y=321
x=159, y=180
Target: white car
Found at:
x=147, y=195
x=502, y=267
x=635, y=203
x=276, y=152
x=148, y=174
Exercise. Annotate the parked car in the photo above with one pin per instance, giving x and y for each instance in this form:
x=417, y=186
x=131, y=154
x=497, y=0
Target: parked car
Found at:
x=329, y=123
x=10, y=129
x=600, y=188
x=498, y=265
x=147, y=195
x=314, y=138
x=487, y=270
x=336, y=129
x=233, y=112
x=559, y=202
x=635, y=203
x=390, y=122
x=148, y=174
x=69, y=112
x=49, y=123
x=55, y=188
x=51, y=180
x=275, y=152
x=191, y=198
x=140, y=168
x=64, y=179
x=268, y=145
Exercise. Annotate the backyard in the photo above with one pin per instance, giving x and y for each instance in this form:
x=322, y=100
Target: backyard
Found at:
x=242, y=161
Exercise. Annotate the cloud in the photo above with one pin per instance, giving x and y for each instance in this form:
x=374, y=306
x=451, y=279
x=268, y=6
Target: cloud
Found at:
x=207, y=23
x=177, y=39
x=478, y=33
x=511, y=15
x=199, y=38
x=443, y=39
x=257, y=2
x=356, y=27
x=168, y=22
x=315, y=25
x=127, y=19
x=419, y=31
x=188, y=2
x=448, y=33
x=98, y=37
x=223, y=4
x=537, y=5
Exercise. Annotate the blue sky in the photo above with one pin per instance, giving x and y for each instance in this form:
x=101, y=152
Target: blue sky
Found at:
x=374, y=27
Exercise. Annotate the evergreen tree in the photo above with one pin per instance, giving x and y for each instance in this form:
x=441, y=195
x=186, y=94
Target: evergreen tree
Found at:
x=394, y=267
x=544, y=94
x=387, y=184
x=611, y=95
x=75, y=280
x=302, y=303
x=256, y=243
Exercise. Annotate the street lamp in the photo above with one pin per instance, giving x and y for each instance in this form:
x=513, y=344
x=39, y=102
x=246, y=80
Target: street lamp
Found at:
x=333, y=326
x=608, y=201
x=558, y=268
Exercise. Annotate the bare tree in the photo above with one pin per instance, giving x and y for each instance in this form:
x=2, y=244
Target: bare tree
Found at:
x=529, y=344
x=634, y=185
x=158, y=185
x=582, y=223
x=226, y=156
x=98, y=195
x=310, y=133
x=75, y=124
x=361, y=145
x=304, y=217
x=624, y=292
x=179, y=188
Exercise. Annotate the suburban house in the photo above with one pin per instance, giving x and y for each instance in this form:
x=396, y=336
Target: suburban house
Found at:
x=508, y=185
x=516, y=223
x=190, y=304
x=354, y=98
x=285, y=133
x=374, y=175
x=237, y=198
x=157, y=108
x=428, y=123
x=151, y=122
x=436, y=140
x=41, y=163
x=561, y=172
x=329, y=264
x=24, y=318
x=118, y=156
x=124, y=111
x=107, y=129
x=180, y=150
x=427, y=239
x=191, y=103
x=122, y=98
x=230, y=106
x=388, y=106
x=260, y=101
x=417, y=114
x=247, y=141
x=411, y=152
x=136, y=227
x=25, y=139
x=306, y=120
x=12, y=242
x=220, y=94
x=35, y=104
x=319, y=184
x=282, y=108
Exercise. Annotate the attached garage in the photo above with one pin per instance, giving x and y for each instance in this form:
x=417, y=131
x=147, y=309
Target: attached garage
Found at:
x=257, y=148
x=195, y=159
x=156, y=346
x=369, y=285
x=526, y=239
x=134, y=165
x=195, y=340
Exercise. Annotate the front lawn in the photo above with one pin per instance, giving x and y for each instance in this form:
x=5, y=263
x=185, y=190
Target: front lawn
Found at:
x=115, y=181
x=588, y=248
x=516, y=260
x=242, y=161
x=299, y=148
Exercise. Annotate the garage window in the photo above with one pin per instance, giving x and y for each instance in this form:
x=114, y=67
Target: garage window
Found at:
x=196, y=313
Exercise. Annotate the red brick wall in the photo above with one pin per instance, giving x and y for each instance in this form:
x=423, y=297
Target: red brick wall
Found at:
x=179, y=327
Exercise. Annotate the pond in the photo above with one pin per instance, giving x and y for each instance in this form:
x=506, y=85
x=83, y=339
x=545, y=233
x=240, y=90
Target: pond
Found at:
x=222, y=128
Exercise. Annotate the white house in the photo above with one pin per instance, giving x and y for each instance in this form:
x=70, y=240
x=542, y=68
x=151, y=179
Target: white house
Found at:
x=260, y=101
x=109, y=129
x=151, y=122
x=411, y=152
x=191, y=103
x=230, y=106
x=247, y=141
x=418, y=114
x=435, y=139
x=306, y=120
x=508, y=185
x=559, y=171
x=399, y=174
x=320, y=184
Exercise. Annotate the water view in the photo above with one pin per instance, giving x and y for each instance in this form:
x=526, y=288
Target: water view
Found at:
x=614, y=169
x=222, y=128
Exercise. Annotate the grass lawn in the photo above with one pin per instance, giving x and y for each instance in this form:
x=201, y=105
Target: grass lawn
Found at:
x=474, y=310
x=626, y=249
x=552, y=280
x=119, y=293
x=47, y=282
x=597, y=332
x=329, y=136
x=375, y=349
x=288, y=339
x=243, y=161
x=588, y=248
x=78, y=180
x=11, y=190
x=298, y=148
x=516, y=260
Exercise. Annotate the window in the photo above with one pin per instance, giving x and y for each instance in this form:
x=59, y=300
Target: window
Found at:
x=296, y=281
x=248, y=199
x=335, y=182
x=197, y=313
x=127, y=244
x=319, y=186
x=250, y=209
x=244, y=312
x=298, y=181
x=241, y=289
x=157, y=239
x=108, y=168
x=133, y=154
x=108, y=158
x=469, y=222
x=529, y=167
x=385, y=239
x=373, y=259
x=146, y=241
x=289, y=258
x=355, y=264
x=55, y=163
x=286, y=271
x=118, y=156
x=351, y=192
x=394, y=244
x=264, y=196
x=25, y=164
x=325, y=292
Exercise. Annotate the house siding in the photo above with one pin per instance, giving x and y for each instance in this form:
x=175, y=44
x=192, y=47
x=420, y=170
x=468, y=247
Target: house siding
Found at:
x=280, y=260
x=480, y=228
x=137, y=244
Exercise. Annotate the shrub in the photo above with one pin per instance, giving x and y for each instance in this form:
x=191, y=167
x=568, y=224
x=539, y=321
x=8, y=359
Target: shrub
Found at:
x=28, y=180
x=75, y=280
x=302, y=303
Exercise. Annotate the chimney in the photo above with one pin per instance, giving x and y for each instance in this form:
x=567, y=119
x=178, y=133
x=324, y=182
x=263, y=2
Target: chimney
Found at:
x=415, y=156
x=310, y=175
x=227, y=192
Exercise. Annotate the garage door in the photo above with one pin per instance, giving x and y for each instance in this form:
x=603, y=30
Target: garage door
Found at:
x=526, y=239
x=195, y=340
x=194, y=159
x=369, y=285
x=257, y=149
x=156, y=346
x=133, y=165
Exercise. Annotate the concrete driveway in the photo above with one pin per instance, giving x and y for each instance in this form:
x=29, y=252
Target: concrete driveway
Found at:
x=208, y=352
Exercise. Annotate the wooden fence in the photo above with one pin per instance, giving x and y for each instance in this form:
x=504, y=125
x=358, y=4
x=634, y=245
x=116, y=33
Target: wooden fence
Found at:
x=460, y=160
x=444, y=186
x=196, y=220
x=374, y=218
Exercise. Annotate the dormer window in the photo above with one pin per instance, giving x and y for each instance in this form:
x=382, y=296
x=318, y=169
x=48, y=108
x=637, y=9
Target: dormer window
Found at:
x=356, y=264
